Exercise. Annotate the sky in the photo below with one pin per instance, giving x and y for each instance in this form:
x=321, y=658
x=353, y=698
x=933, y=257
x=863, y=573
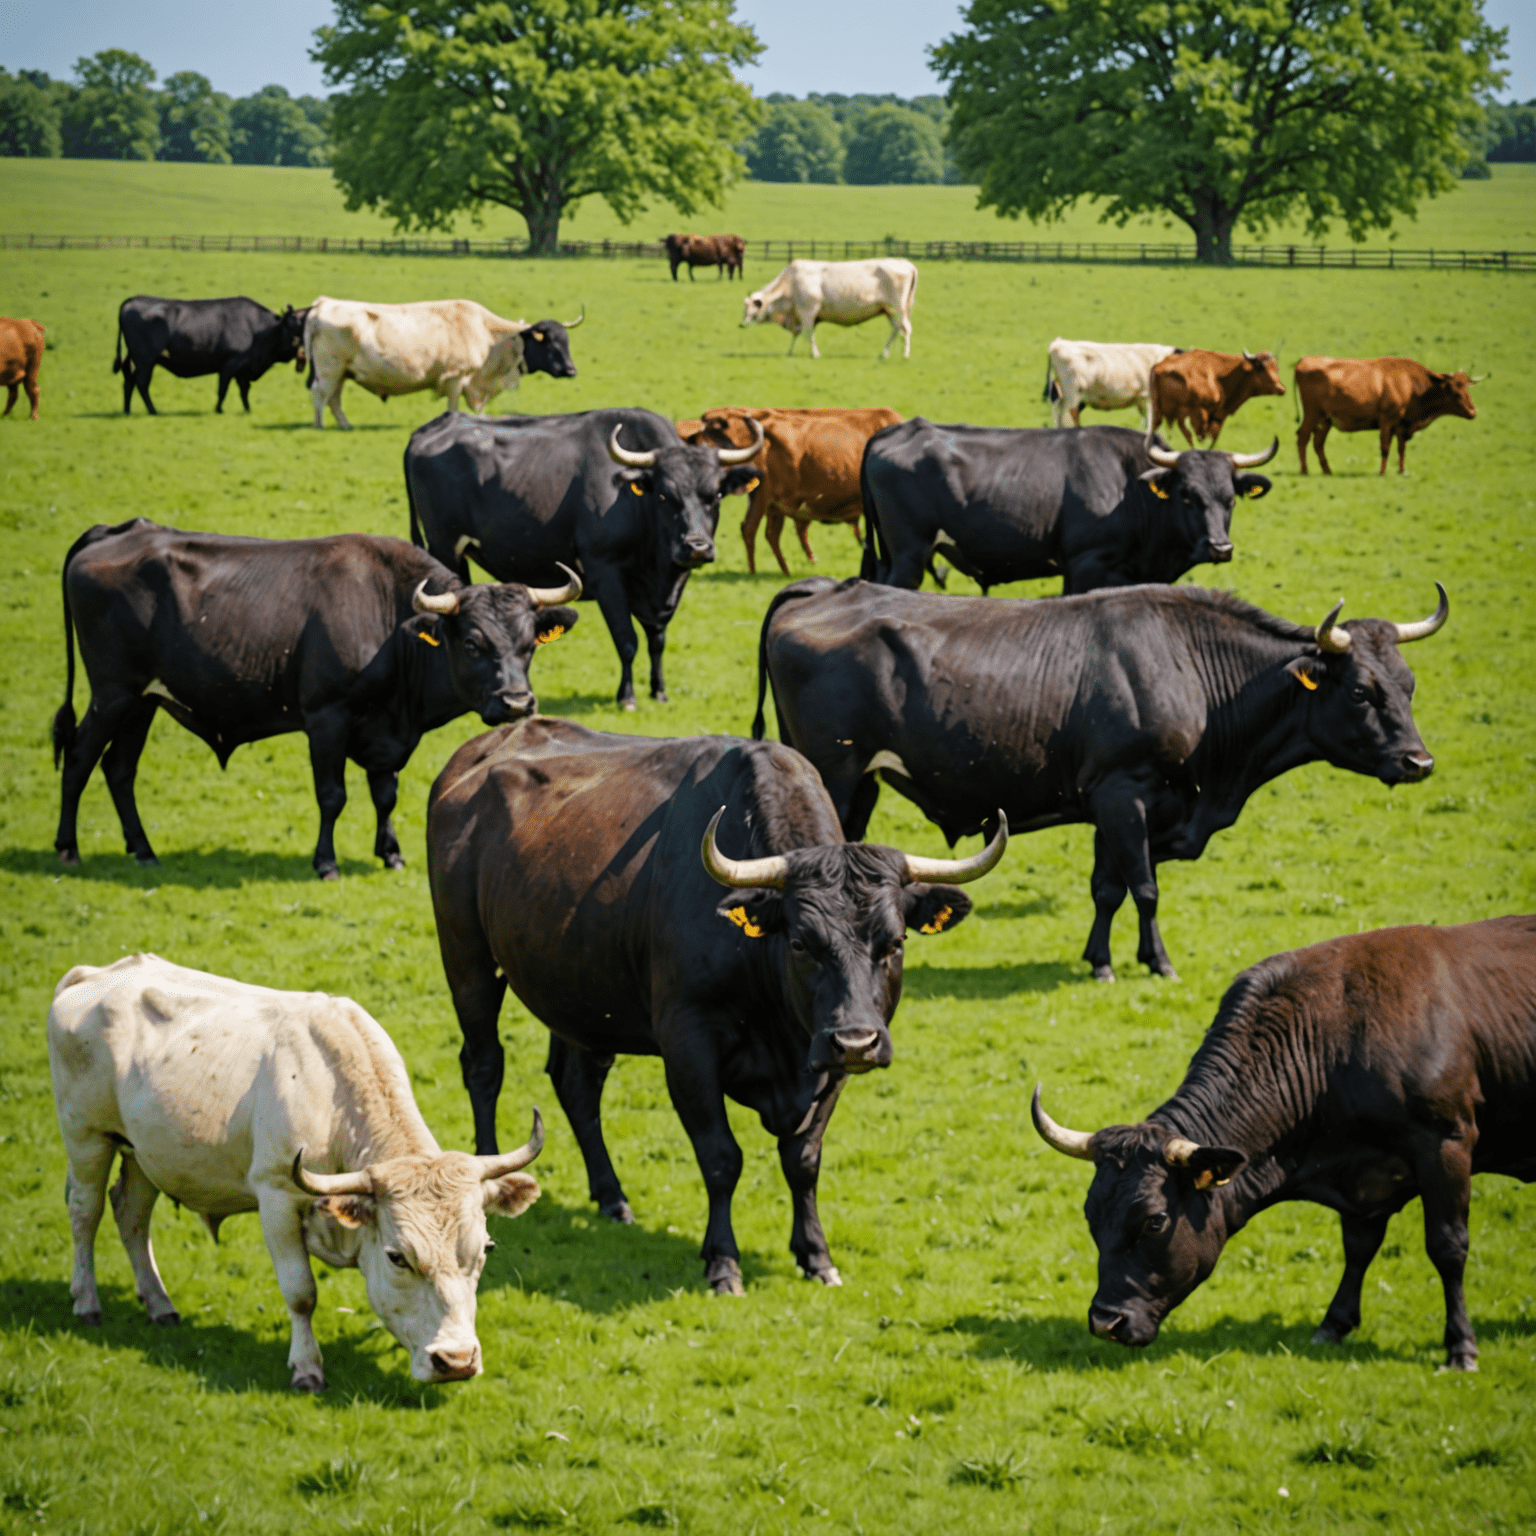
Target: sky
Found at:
x=848, y=46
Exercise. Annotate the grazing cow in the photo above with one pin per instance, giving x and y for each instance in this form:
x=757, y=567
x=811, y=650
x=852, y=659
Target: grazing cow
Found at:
x=1394, y=395
x=21, y=354
x=1152, y=713
x=230, y=1098
x=810, y=467
x=616, y=494
x=1357, y=1074
x=239, y=639
x=450, y=346
x=566, y=863
x=1099, y=507
x=724, y=252
x=1198, y=390
x=1106, y=375
x=238, y=339
x=841, y=292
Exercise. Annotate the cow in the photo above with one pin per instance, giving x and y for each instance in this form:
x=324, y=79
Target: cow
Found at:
x=615, y=493
x=723, y=252
x=1098, y=507
x=584, y=870
x=840, y=292
x=21, y=354
x=1198, y=390
x=1106, y=375
x=228, y=1098
x=451, y=346
x=1358, y=1074
x=238, y=339
x=810, y=467
x=238, y=639
x=1151, y=713
x=1394, y=395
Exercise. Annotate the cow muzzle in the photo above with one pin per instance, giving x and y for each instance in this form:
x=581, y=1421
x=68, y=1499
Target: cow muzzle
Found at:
x=503, y=707
x=1218, y=553
x=1107, y=1323
x=862, y=1049
x=1416, y=767
x=697, y=550
x=449, y=1363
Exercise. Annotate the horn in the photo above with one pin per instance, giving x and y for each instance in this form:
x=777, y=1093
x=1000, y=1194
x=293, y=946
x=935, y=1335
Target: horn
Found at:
x=1178, y=1151
x=1253, y=460
x=763, y=874
x=741, y=455
x=1248, y=356
x=1161, y=456
x=959, y=871
x=422, y=602
x=625, y=457
x=552, y=597
x=1426, y=627
x=1477, y=378
x=1329, y=637
x=320, y=1184
x=494, y=1165
x=1073, y=1143
x=571, y=325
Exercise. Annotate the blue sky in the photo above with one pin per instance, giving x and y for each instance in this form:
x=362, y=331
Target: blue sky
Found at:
x=854, y=45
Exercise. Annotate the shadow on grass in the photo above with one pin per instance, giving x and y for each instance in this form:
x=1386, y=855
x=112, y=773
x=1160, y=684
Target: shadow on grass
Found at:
x=141, y=414
x=991, y=981
x=218, y=867
x=309, y=426
x=573, y=704
x=1040, y=906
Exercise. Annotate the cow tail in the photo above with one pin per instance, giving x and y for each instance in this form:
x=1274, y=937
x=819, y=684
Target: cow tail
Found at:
x=410, y=500
x=64, y=720
x=782, y=596
x=874, y=538
x=117, y=360
x=1049, y=394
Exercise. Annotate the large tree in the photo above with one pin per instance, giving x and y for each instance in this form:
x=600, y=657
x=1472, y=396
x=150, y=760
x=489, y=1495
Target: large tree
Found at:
x=1215, y=112
x=194, y=120
x=271, y=128
x=894, y=146
x=29, y=115
x=534, y=104
x=113, y=115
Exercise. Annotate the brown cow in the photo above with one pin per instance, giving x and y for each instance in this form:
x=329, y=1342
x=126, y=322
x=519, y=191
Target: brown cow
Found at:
x=723, y=252
x=1393, y=394
x=1200, y=390
x=810, y=467
x=21, y=354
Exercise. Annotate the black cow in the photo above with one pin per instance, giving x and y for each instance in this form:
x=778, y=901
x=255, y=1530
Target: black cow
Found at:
x=1357, y=1074
x=1097, y=506
x=240, y=639
x=566, y=864
x=237, y=339
x=1151, y=712
x=616, y=494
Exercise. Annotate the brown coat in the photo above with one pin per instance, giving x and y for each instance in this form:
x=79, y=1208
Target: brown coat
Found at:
x=21, y=354
x=1198, y=390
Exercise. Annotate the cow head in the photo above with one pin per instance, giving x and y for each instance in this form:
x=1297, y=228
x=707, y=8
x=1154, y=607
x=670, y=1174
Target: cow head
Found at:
x=1201, y=487
x=682, y=486
x=490, y=632
x=1450, y=394
x=770, y=303
x=1359, y=695
x=1261, y=374
x=415, y=1227
x=290, y=337
x=547, y=347
x=1155, y=1216
x=838, y=916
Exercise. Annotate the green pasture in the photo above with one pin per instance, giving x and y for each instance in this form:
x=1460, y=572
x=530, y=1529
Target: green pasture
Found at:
x=951, y=1384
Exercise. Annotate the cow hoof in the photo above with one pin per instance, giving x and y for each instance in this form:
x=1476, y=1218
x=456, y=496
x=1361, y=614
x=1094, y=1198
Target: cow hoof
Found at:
x=1460, y=1363
x=146, y=859
x=167, y=1320
x=329, y=872
x=628, y=704
x=620, y=1212
x=308, y=1378
x=1167, y=972
x=394, y=861
x=1103, y=973
x=728, y=1285
x=91, y=1319
x=660, y=696
x=1328, y=1333
x=827, y=1276
x=69, y=856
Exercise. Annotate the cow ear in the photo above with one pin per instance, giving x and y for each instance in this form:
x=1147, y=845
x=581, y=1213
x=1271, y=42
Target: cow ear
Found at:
x=740, y=481
x=935, y=908
x=511, y=1194
x=551, y=623
x=1211, y=1166
x=636, y=479
x=755, y=912
x=1309, y=671
x=1153, y=480
x=348, y=1210
x=1253, y=485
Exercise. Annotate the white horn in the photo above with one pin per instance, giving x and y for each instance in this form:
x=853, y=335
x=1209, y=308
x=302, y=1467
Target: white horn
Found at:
x=1073, y=1143
x=1426, y=627
x=625, y=457
x=1253, y=460
x=494, y=1165
x=320, y=1184
x=745, y=874
x=1330, y=637
x=552, y=597
x=741, y=455
x=1161, y=456
x=960, y=871
x=571, y=325
x=423, y=602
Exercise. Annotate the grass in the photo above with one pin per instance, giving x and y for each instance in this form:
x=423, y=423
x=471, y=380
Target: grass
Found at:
x=951, y=1384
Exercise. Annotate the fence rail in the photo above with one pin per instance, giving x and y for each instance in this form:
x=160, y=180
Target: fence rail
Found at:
x=1120, y=252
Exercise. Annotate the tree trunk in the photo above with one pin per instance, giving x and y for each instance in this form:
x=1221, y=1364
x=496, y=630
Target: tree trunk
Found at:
x=1213, y=225
x=543, y=220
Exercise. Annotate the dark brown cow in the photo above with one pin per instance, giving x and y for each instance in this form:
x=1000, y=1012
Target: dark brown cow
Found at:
x=723, y=252
x=1395, y=395
x=810, y=467
x=1198, y=390
x=21, y=354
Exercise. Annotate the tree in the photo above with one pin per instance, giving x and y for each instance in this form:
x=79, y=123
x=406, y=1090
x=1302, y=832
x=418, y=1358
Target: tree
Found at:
x=1512, y=132
x=112, y=116
x=1218, y=113
x=894, y=146
x=798, y=141
x=534, y=104
x=194, y=120
x=29, y=117
x=271, y=128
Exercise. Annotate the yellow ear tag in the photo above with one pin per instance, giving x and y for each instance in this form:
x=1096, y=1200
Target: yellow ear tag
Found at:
x=1258, y=490
x=421, y=634
x=1305, y=679
x=753, y=484
x=550, y=634
x=538, y=335
x=1204, y=1179
x=1157, y=490
x=635, y=487
x=940, y=918
x=738, y=915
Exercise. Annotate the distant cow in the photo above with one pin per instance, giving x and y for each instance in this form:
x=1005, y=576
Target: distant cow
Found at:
x=1197, y=391
x=842, y=292
x=1395, y=395
x=1106, y=375
x=810, y=467
x=21, y=353
x=724, y=252
x=450, y=346
x=230, y=1098
x=238, y=339
x=1358, y=1074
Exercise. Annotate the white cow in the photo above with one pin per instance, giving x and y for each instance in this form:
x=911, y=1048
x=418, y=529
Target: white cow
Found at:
x=1104, y=374
x=843, y=292
x=450, y=346
x=213, y=1091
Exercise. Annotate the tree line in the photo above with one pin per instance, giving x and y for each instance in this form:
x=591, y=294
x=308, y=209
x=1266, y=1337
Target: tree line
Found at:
x=863, y=140
x=113, y=110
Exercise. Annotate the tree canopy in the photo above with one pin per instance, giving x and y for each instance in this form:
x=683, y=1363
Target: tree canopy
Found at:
x=274, y=128
x=798, y=141
x=112, y=116
x=894, y=146
x=194, y=119
x=1218, y=113
x=534, y=104
x=29, y=117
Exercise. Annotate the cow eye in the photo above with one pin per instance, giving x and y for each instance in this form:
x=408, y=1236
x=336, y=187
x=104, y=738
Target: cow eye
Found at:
x=895, y=949
x=397, y=1258
x=490, y=1243
x=1153, y=1226
x=1359, y=694
x=798, y=945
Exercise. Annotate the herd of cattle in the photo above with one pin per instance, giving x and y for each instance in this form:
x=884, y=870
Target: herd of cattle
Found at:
x=710, y=900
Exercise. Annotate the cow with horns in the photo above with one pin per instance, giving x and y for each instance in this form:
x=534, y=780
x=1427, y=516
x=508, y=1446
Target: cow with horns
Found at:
x=1197, y=390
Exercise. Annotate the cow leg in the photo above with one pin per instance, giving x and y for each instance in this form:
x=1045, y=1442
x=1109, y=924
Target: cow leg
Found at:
x=121, y=767
x=861, y=807
x=773, y=531
x=1303, y=436
x=1121, y=844
x=34, y=394
x=245, y=393
x=90, y=1166
x=803, y=528
x=12, y=390
x=1108, y=896
x=478, y=987
x=1319, y=437
x=128, y=382
x=1363, y=1237
x=1445, y=1187
x=578, y=1077
x=91, y=740
x=142, y=374
x=282, y=1224
x=858, y=531
x=611, y=600
x=655, y=644
x=328, y=762
x=1402, y=449
x=133, y=1203
x=1386, y=444
x=800, y=1158
x=811, y=330
x=226, y=373
x=384, y=787
x=749, y=533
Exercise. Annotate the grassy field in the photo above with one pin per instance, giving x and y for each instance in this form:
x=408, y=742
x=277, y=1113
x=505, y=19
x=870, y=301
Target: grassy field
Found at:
x=951, y=1384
